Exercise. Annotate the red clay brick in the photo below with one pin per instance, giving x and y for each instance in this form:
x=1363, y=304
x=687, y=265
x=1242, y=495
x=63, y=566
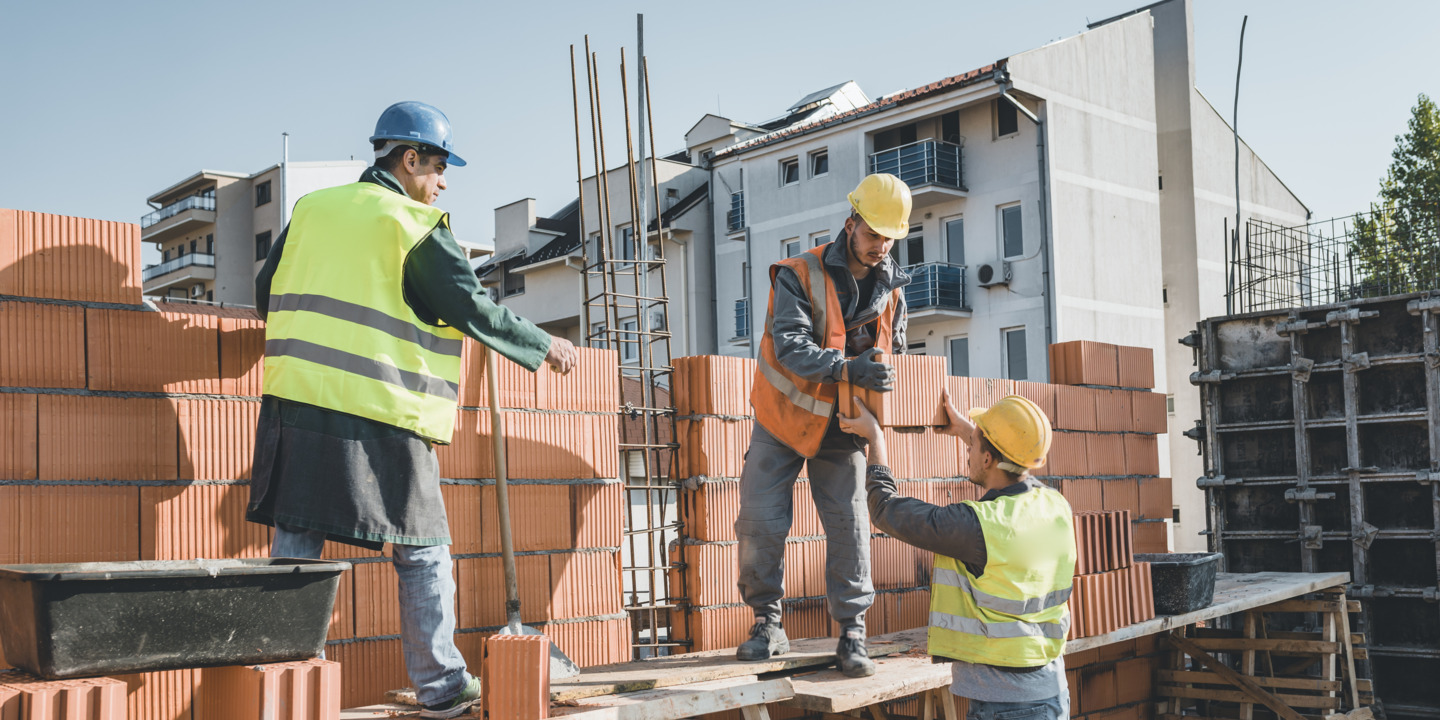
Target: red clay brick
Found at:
x=1042, y=394
x=713, y=447
x=1075, y=409
x=1142, y=455
x=342, y=614
x=1097, y=688
x=303, y=690
x=546, y=446
x=199, y=521
x=377, y=600
x=1155, y=499
x=1151, y=537
x=100, y=524
x=69, y=258
x=1082, y=362
x=593, y=386
x=44, y=345
x=516, y=677
x=1112, y=411
x=123, y=438
x=31, y=698
x=471, y=452
x=710, y=574
x=599, y=512
x=1122, y=494
x=586, y=584
x=712, y=628
x=168, y=351
x=473, y=392
x=242, y=355
x=1069, y=455
x=480, y=600
x=714, y=385
x=934, y=455
x=1133, y=681
x=1149, y=413
x=592, y=642
x=1137, y=366
x=920, y=380
x=1107, y=454
x=1083, y=494
x=368, y=670
x=217, y=438
x=164, y=695
x=19, y=436
x=985, y=392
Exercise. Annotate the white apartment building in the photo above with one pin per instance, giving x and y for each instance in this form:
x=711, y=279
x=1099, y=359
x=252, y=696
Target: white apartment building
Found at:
x=537, y=268
x=1074, y=191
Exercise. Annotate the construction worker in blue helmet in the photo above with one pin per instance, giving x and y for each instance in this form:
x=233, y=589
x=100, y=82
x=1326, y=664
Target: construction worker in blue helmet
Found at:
x=367, y=299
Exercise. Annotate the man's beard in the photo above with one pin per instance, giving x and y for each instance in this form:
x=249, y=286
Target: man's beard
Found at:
x=855, y=253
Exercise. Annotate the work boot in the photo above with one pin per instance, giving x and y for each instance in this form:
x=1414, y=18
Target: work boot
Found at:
x=767, y=640
x=850, y=655
x=456, y=706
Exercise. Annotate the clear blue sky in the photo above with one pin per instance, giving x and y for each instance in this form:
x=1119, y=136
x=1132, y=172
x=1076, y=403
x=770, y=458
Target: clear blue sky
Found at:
x=106, y=102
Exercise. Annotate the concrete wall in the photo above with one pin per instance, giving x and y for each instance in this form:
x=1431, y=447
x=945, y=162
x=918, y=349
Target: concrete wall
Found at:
x=235, y=243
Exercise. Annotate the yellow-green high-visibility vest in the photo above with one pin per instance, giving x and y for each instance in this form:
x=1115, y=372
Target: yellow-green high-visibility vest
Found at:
x=339, y=333
x=1015, y=614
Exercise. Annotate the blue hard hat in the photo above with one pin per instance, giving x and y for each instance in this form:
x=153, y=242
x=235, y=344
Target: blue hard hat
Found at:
x=417, y=121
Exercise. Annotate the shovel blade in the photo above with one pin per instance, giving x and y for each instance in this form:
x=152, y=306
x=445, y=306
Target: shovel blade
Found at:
x=561, y=667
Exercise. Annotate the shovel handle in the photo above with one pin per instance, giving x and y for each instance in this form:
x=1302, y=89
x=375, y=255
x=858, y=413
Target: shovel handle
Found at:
x=502, y=492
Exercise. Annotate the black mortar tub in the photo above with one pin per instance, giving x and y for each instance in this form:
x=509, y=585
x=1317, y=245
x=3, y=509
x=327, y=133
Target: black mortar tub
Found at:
x=104, y=618
x=1183, y=582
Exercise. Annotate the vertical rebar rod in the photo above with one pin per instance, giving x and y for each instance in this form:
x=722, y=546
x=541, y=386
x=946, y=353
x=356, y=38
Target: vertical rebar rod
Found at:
x=580, y=209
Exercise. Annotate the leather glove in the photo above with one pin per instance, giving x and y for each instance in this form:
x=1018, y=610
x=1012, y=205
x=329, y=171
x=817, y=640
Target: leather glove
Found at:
x=869, y=373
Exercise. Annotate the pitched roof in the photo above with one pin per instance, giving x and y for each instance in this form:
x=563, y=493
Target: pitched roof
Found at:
x=953, y=82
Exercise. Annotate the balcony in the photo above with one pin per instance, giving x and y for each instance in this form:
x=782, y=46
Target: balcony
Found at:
x=177, y=218
x=742, y=319
x=936, y=289
x=736, y=217
x=930, y=167
x=184, y=269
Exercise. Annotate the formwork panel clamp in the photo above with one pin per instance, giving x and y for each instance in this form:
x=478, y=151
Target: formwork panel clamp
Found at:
x=1311, y=537
x=1366, y=535
x=1307, y=495
x=1357, y=362
x=1300, y=369
x=1349, y=315
x=1214, y=377
x=1216, y=481
x=1421, y=305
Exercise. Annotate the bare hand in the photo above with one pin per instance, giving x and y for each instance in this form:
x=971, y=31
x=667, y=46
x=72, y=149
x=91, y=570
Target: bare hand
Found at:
x=958, y=425
x=562, y=356
x=863, y=424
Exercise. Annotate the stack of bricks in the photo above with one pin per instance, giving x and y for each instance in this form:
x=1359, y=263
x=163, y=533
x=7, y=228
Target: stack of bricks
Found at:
x=1114, y=682
x=1110, y=589
x=1105, y=453
x=25, y=697
x=127, y=433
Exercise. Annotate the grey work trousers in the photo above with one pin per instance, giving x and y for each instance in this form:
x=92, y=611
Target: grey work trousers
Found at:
x=837, y=484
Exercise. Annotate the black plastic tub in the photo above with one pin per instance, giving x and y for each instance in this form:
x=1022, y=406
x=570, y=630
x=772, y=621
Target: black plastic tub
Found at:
x=1183, y=582
x=79, y=619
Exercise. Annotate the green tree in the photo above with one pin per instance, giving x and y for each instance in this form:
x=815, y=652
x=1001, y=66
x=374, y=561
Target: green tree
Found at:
x=1396, y=246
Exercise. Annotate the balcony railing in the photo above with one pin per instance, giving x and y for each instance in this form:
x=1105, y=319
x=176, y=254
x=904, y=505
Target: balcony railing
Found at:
x=742, y=318
x=154, y=271
x=194, y=202
x=927, y=162
x=936, y=285
x=736, y=216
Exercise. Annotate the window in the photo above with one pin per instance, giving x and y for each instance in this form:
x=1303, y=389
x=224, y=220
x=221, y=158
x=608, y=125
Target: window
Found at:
x=598, y=338
x=192, y=246
x=910, y=251
x=1012, y=238
x=262, y=245
x=511, y=282
x=789, y=172
x=180, y=250
x=1007, y=118
x=960, y=356
x=627, y=244
x=791, y=247
x=950, y=127
x=210, y=244
x=1015, y=354
x=955, y=241
x=210, y=296
x=1170, y=404
x=819, y=239
x=705, y=157
x=629, y=342
x=819, y=163
x=915, y=348
x=167, y=256
x=895, y=137
x=262, y=193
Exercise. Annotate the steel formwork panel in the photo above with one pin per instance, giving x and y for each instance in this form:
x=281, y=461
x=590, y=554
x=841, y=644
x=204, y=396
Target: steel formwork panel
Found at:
x=1321, y=441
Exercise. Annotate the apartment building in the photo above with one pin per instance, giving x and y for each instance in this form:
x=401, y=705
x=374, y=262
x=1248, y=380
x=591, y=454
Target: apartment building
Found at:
x=1074, y=191
x=537, y=268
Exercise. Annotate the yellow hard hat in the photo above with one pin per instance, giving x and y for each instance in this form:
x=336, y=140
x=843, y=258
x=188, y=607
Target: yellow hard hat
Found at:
x=1017, y=428
x=884, y=201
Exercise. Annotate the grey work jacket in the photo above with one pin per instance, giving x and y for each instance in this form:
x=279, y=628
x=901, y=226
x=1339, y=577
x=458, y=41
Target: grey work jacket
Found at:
x=793, y=331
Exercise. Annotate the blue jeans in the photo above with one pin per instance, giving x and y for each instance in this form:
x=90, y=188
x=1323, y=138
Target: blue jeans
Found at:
x=427, y=610
x=1055, y=708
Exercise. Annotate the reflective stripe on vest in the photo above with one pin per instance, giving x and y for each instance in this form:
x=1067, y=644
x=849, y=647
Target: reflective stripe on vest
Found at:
x=339, y=334
x=794, y=410
x=1016, y=613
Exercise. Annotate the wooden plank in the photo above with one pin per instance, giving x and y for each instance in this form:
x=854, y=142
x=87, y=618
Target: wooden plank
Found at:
x=1233, y=593
x=1270, y=644
x=1325, y=606
x=680, y=701
x=1204, y=677
x=1239, y=696
x=1233, y=677
x=1349, y=642
x=709, y=665
x=895, y=677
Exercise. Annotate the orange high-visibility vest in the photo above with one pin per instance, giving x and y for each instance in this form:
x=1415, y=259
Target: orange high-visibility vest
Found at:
x=795, y=410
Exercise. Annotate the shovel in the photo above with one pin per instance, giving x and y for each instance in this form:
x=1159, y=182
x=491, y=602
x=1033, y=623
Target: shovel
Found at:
x=560, y=665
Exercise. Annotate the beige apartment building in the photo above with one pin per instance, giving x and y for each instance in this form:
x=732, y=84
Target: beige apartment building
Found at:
x=214, y=228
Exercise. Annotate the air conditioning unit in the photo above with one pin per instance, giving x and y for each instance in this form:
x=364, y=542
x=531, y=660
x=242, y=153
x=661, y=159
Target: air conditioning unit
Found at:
x=197, y=290
x=992, y=274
